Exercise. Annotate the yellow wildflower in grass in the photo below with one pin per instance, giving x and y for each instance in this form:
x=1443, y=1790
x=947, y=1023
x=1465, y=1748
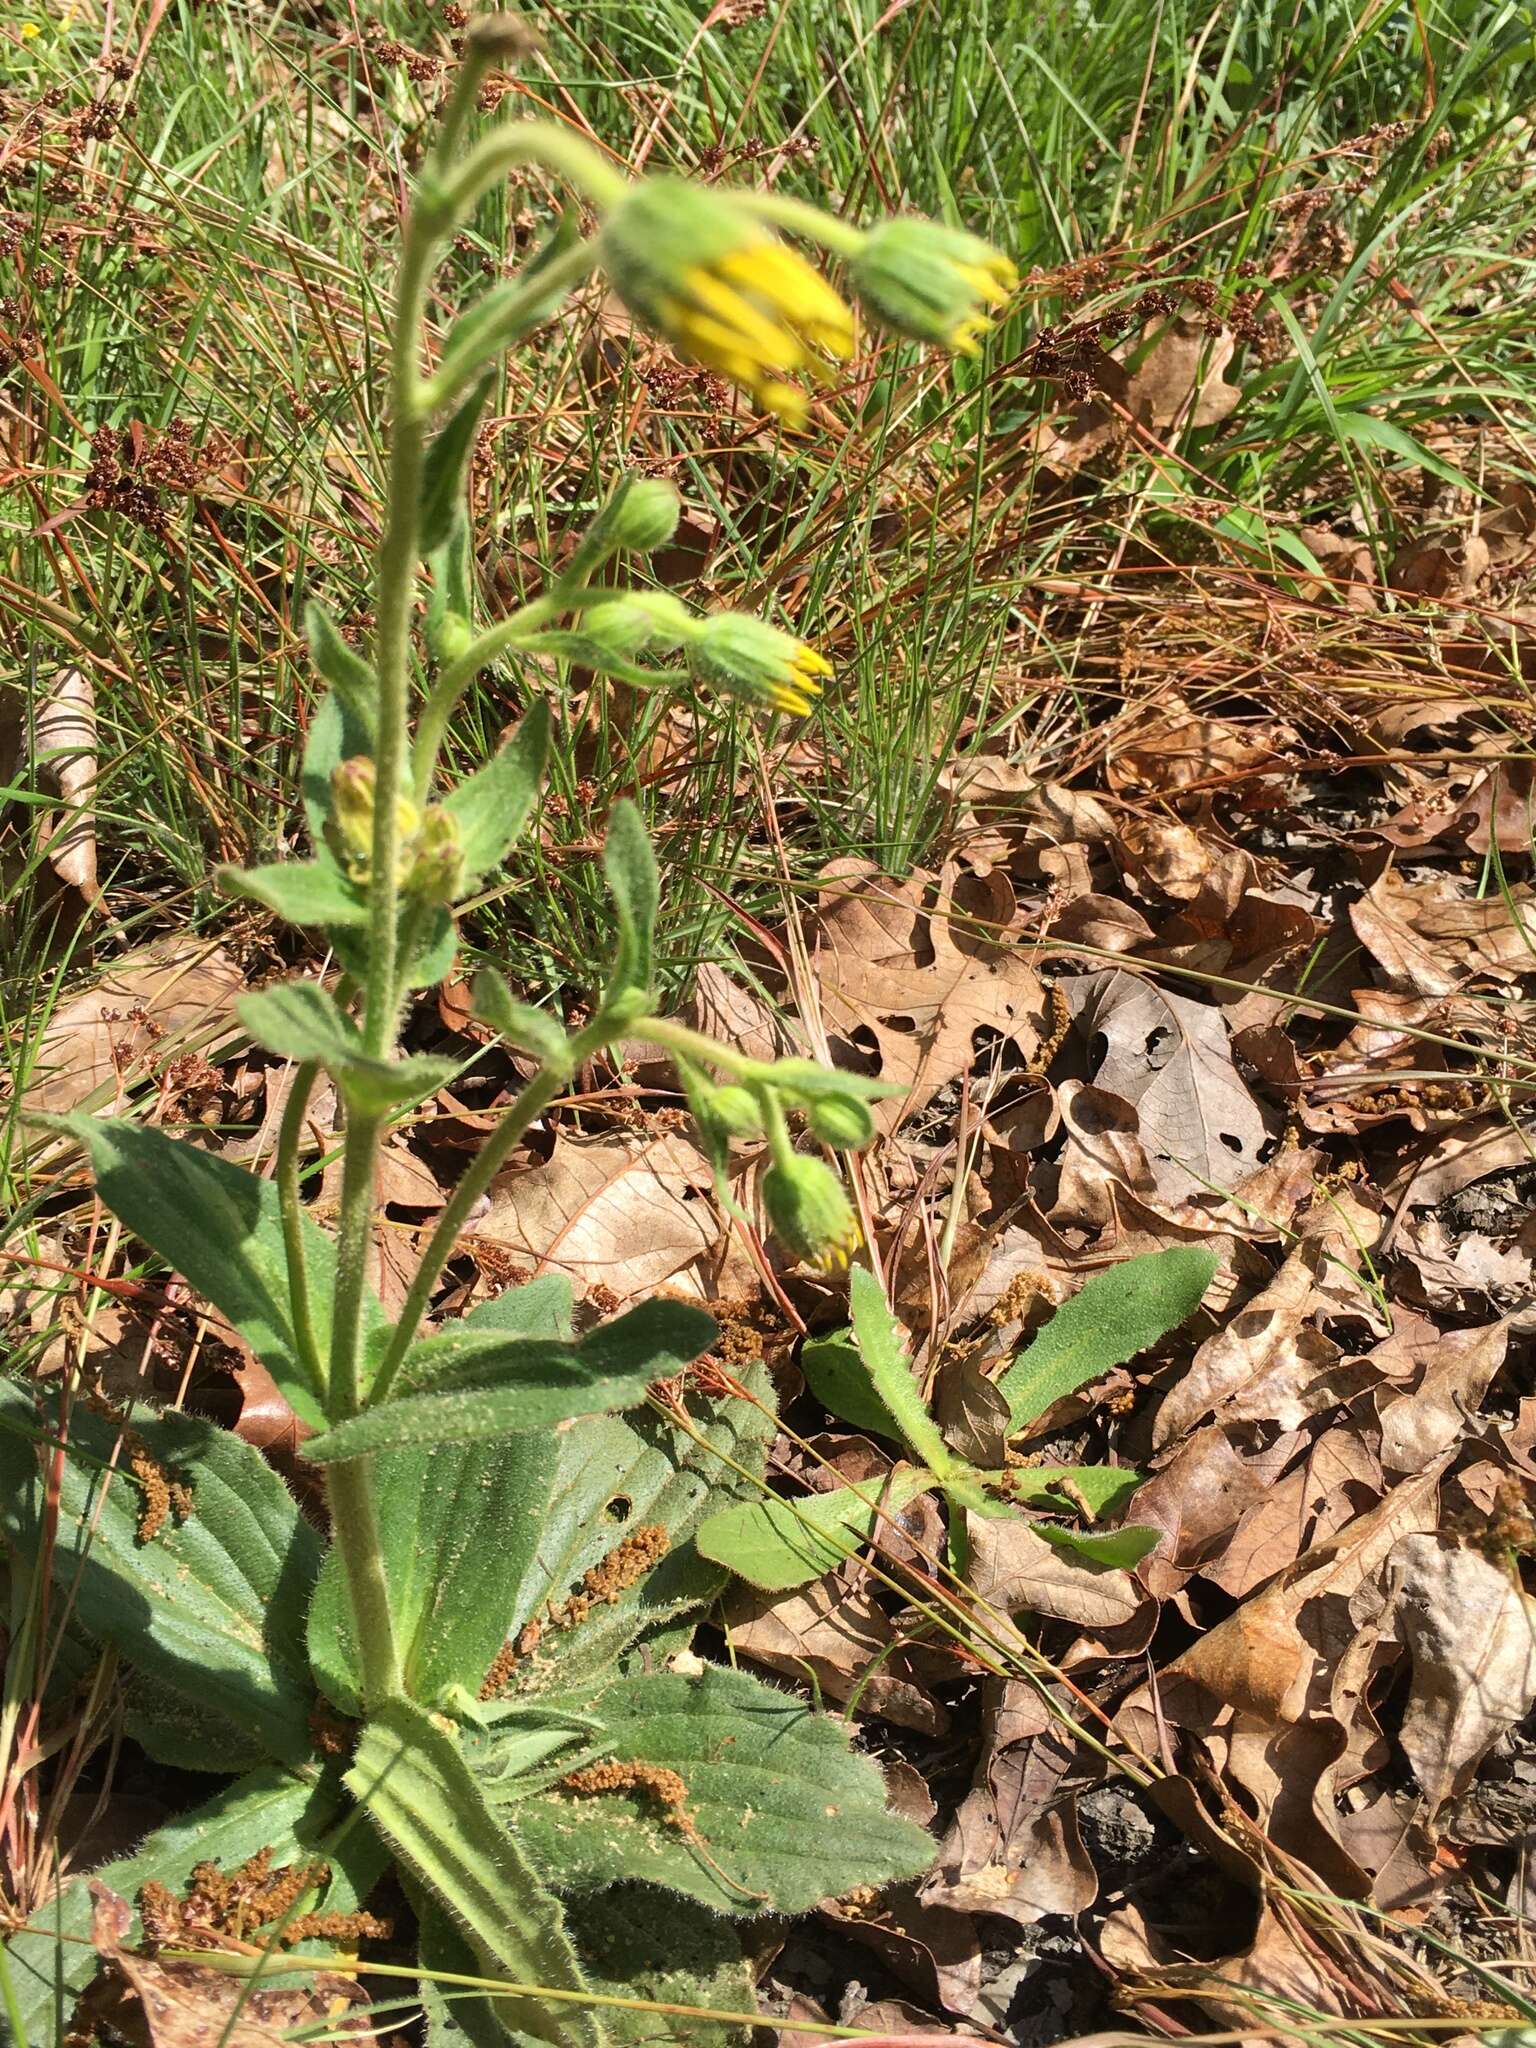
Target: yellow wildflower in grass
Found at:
x=743, y=656
x=932, y=283
x=809, y=1213
x=697, y=268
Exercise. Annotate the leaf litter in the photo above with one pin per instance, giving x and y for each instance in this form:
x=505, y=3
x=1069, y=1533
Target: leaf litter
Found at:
x=1184, y=982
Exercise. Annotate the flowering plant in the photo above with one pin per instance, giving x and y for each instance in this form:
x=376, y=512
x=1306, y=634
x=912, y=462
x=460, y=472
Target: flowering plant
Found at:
x=473, y=1665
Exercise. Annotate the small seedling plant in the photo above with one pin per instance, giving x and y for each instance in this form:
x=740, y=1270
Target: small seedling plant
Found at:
x=482, y=1676
x=865, y=1377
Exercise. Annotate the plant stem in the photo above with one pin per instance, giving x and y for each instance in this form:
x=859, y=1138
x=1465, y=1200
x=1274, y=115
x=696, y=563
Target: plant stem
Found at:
x=355, y=1532
x=291, y=1207
x=693, y=1045
x=534, y=1099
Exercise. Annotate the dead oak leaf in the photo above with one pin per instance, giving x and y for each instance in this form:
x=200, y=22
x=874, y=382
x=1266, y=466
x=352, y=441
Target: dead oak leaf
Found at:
x=909, y=982
x=1171, y=1059
x=1269, y=1363
x=1471, y=1634
x=845, y=1641
x=628, y=1214
x=1431, y=937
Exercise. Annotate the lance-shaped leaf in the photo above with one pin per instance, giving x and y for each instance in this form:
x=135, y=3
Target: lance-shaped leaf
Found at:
x=213, y=1606
x=491, y=806
x=416, y=1789
x=635, y=886
x=1111, y=1318
x=779, y=1810
x=534, y=1031
x=221, y=1229
x=1108, y=1549
x=51, y=1960
x=474, y=1382
x=1097, y=1489
x=459, y=1525
x=839, y=1378
x=778, y=1544
x=883, y=1348
x=349, y=675
x=444, y=465
x=313, y=894
x=299, y=1020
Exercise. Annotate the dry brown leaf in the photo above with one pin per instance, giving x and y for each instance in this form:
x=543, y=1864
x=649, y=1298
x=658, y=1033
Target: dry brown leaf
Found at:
x=1430, y=937
x=1469, y=1151
x=1197, y=1501
x=1457, y=1368
x=723, y=1008
x=1258, y=1659
x=148, y=1007
x=1181, y=381
x=903, y=978
x=1336, y=1479
x=65, y=731
x=1173, y=748
x=1471, y=1634
x=187, y=2005
x=841, y=1639
x=629, y=1214
x=1270, y=1363
x=1016, y=1571
x=1171, y=1058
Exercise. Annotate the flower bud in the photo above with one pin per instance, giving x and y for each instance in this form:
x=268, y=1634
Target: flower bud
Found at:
x=631, y=623
x=809, y=1212
x=436, y=871
x=841, y=1121
x=349, y=829
x=743, y=656
x=931, y=282
x=645, y=515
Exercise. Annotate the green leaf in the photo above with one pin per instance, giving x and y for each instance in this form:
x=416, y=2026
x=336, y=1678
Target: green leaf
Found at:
x=309, y=893
x=777, y=1544
x=451, y=600
x=458, y=1528
x=635, y=886
x=1367, y=431
x=473, y=1383
x=839, y=1378
x=491, y=807
x=883, y=1348
x=534, y=1031
x=444, y=466
x=785, y=1811
x=1115, y=1315
x=349, y=675
x=52, y=1960
x=183, y=1733
x=416, y=1789
x=302, y=1022
x=617, y=1474
x=1109, y=1549
x=213, y=1607
x=635, y=1942
x=1102, y=1489
x=221, y=1229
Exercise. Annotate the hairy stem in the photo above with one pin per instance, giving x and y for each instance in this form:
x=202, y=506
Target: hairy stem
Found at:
x=355, y=1531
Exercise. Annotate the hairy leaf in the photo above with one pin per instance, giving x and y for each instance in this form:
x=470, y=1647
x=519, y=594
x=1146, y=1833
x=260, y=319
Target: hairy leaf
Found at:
x=302, y=1022
x=416, y=1789
x=221, y=1229
x=1101, y=1489
x=839, y=1378
x=630, y=866
x=535, y=1031
x=883, y=1348
x=474, y=1382
x=460, y=1526
x=635, y=1942
x=349, y=675
x=779, y=1544
x=309, y=893
x=214, y=1606
x=1110, y=1549
x=780, y=1811
x=444, y=466
x=1111, y=1318
x=491, y=806
x=619, y=1474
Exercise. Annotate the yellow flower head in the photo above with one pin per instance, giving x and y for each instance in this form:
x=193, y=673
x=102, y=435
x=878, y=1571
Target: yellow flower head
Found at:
x=932, y=283
x=746, y=657
x=700, y=270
